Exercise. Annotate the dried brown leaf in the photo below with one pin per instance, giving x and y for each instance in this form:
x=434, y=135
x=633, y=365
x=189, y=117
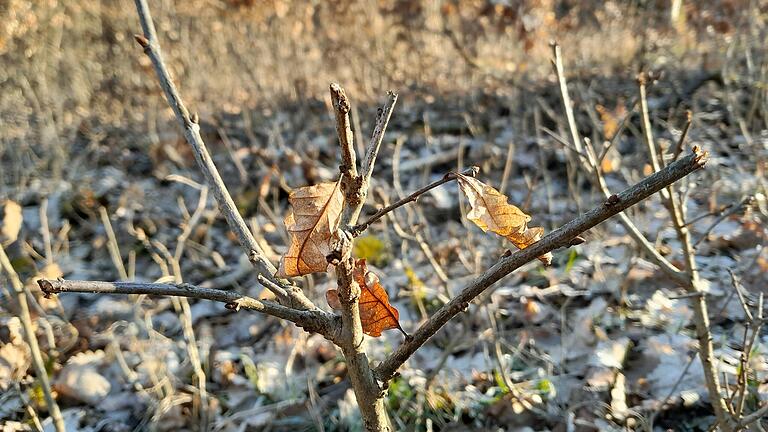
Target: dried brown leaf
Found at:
x=312, y=224
x=376, y=313
x=491, y=211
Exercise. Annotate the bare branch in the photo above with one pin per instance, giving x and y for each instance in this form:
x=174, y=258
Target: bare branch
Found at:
x=554, y=240
x=747, y=201
x=288, y=293
x=382, y=120
x=756, y=416
x=315, y=320
x=350, y=182
x=358, y=229
x=558, y=62
x=683, y=136
x=646, y=123
x=29, y=334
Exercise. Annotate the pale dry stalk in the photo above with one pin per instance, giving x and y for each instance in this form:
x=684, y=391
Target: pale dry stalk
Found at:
x=29, y=332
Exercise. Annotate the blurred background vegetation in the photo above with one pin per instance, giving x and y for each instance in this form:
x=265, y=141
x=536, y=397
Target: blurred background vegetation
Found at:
x=72, y=74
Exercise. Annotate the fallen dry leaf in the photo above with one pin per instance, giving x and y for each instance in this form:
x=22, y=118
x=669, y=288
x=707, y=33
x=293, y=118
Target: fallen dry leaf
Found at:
x=312, y=223
x=376, y=314
x=80, y=378
x=12, y=220
x=491, y=212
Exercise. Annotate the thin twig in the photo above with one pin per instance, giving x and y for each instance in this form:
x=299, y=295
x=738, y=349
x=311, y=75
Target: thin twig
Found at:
x=672, y=391
x=382, y=120
x=181, y=304
x=567, y=106
x=507, y=166
x=554, y=240
x=756, y=416
x=683, y=136
x=756, y=323
x=562, y=141
x=112, y=245
x=29, y=333
x=312, y=320
x=725, y=215
x=618, y=133
x=358, y=229
x=341, y=108
x=288, y=293
x=736, y=284
x=646, y=123
x=716, y=212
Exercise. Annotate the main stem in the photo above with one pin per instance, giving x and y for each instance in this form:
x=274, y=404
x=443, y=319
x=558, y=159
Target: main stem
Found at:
x=369, y=395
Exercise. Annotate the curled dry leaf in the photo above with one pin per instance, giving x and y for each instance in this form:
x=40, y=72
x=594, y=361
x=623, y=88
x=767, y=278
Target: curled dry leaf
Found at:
x=312, y=224
x=11, y=224
x=376, y=314
x=491, y=212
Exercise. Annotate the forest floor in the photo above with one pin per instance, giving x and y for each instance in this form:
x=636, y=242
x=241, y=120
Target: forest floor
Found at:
x=599, y=340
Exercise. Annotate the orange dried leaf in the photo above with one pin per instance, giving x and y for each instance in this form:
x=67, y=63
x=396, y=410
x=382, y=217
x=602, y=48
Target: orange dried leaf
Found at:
x=610, y=123
x=312, y=224
x=376, y=314
x=490, y=211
